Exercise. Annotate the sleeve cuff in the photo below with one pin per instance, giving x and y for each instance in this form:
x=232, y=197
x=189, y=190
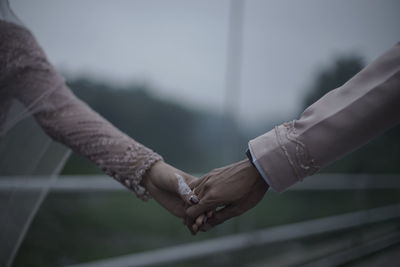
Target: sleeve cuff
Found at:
x=273, y=157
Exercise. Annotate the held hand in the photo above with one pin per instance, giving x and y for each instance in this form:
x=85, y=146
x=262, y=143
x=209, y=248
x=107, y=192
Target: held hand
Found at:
x=169, y=187
x=233, y=189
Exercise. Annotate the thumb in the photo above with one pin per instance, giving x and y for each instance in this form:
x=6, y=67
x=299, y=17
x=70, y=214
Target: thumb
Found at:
x=184, y=191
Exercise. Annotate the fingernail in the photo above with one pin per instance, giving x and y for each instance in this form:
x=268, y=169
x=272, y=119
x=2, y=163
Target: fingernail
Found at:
x=194, y=199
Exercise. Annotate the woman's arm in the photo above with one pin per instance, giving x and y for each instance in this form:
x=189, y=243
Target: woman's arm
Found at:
x=27, y=76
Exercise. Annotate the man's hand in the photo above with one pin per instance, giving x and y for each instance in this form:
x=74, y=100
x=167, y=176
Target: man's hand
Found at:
x=169, y=187
x=233, y=189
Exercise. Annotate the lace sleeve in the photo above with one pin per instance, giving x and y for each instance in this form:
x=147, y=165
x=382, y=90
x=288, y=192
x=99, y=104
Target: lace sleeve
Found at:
x=29, y=77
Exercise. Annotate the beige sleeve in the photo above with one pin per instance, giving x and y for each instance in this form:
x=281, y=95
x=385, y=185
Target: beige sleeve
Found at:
x=338, y=123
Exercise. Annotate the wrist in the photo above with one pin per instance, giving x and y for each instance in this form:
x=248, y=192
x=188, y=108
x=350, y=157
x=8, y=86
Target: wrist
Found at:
x=251, y=161
x=251, y=169
x=153, y=172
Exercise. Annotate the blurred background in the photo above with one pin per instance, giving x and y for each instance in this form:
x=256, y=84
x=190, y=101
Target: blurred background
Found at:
x=195, y=81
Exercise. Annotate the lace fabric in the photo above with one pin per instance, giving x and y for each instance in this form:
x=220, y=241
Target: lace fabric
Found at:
x=35, y=103
x=27, y=76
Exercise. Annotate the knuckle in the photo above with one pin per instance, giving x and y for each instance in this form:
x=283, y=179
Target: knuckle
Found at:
x=212, y=194
x=207, y=185
x=190, y=213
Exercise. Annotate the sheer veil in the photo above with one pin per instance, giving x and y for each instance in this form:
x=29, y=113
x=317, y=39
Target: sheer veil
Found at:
x=29, y=162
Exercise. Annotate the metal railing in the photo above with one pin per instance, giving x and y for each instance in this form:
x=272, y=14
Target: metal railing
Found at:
x=257, y=238
x=235, y=242
x=98, y=183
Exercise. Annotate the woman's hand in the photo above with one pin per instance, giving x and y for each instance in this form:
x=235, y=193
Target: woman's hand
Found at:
x=169, y=187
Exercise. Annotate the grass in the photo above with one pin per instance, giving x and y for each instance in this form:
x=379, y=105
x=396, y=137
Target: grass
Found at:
x=71, y=228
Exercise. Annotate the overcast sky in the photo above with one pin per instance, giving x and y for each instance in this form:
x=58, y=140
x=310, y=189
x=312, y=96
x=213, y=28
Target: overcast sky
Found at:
x=179, y=47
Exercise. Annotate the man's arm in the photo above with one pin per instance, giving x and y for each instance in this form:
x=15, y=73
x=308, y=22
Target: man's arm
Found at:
x=338, y=123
